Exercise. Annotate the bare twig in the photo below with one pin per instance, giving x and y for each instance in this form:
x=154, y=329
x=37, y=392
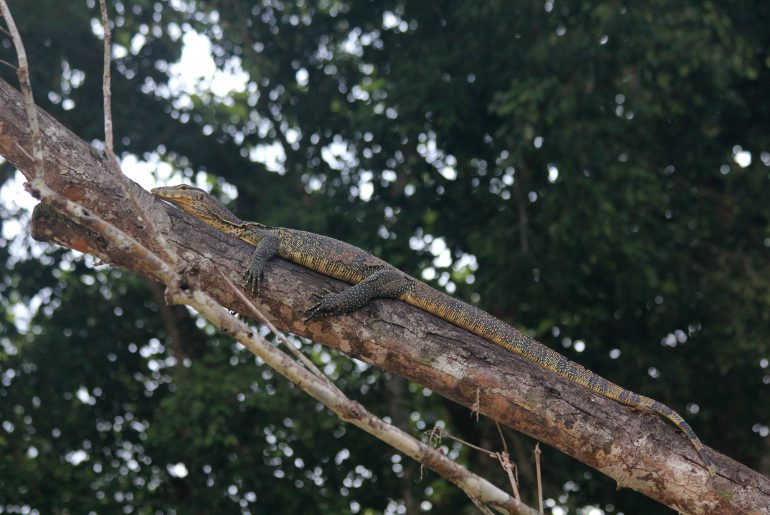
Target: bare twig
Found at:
x=109, y=147
x=436, y=434
x=539, y=479
x=510, y=470
x=295, y=351
x=22, y=71
x=476, y=408
x=106, y=77
x=9, y=65
x=502, y=438
x=24, y=151
x=510, y=467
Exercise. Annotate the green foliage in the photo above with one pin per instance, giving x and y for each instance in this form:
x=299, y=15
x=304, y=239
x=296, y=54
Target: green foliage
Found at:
x=577, y=160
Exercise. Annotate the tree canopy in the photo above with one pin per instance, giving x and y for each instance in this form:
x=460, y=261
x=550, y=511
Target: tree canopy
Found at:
x=595, y=173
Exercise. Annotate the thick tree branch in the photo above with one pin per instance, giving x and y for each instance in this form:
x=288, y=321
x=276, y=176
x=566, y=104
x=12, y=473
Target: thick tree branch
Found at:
x=636, y=449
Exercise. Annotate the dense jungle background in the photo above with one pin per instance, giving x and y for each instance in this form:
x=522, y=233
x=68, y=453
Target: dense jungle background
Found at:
x=596, y=173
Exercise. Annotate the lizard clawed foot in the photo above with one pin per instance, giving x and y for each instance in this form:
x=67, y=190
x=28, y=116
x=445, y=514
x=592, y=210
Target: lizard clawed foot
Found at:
x=253, y=280
x=254, y=277
x=324, y=293
x=328, y=305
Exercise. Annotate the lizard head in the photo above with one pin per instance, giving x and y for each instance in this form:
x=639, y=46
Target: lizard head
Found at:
x=199, y=204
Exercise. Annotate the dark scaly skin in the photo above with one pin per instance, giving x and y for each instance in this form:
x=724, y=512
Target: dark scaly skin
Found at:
x=374, y=278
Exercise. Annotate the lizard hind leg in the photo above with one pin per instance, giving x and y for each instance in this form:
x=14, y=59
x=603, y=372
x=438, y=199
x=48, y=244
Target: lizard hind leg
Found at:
x=384, y=283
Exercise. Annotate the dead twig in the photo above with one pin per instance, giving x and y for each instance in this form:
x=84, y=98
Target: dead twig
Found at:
x=539, y=479
x=22, y=71
x=291, y=348
x=476, y=408
x=109, y=147
x=436, y=434
x=9, y=65
x=502, y=438
x=510, y=467
x=510, y=470
x=106, y=78
x=5, y=31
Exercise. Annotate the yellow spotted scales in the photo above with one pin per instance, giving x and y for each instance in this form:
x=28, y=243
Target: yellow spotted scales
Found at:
x=373, y=278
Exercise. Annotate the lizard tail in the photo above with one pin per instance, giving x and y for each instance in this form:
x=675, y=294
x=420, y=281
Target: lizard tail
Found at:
x=495, y=330
x=679, y=422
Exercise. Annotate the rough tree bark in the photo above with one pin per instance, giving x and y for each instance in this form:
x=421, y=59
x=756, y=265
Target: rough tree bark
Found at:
x=636, y=449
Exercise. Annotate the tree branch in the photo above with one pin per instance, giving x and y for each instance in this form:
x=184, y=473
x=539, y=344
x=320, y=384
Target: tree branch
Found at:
x=636, y=449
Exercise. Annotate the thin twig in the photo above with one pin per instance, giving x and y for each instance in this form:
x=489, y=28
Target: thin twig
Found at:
x=437, y=431
x=109, y=147
x=510, y=467
x=539, y=479
x=5, y=31
x=502, y=438
x=435, y=435
x=262, y=318
x=9, y=65
x=510, y=470
x=22, y=71
x=106, y=77
x=476, y=408
x=24, y=151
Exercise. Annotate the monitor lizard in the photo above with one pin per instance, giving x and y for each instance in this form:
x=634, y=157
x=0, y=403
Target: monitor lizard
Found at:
x=373, y=278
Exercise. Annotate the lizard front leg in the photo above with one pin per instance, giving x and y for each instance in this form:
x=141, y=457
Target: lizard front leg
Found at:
x=384, y=283
x=254, y=275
